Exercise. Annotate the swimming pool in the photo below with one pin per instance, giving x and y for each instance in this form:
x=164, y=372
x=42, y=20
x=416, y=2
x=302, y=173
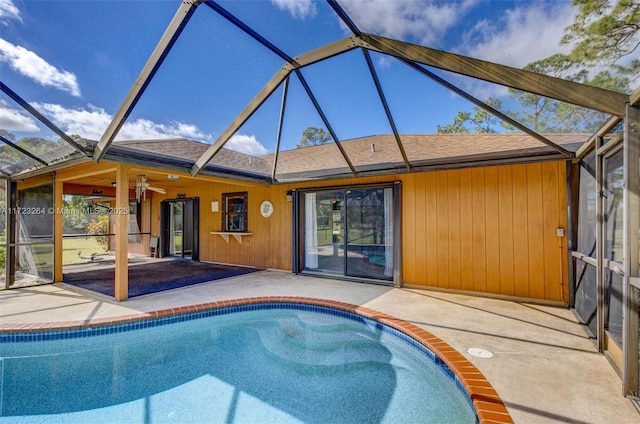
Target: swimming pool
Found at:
x=258, y=362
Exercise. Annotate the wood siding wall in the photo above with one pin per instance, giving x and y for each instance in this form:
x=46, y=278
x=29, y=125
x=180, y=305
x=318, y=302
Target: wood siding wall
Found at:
x=489, y=229
x=268, y=247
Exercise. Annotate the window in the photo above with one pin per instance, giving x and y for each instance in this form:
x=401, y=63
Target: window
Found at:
x=234, y=212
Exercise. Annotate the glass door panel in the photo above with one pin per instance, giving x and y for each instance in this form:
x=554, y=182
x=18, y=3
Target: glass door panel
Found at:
x=175, y=229
x=323, y=231
x=369, y=233
x=349, y=232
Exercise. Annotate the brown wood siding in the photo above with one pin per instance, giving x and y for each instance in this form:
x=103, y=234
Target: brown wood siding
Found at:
x=495, y=230
x=490, y=229
x=269, y=246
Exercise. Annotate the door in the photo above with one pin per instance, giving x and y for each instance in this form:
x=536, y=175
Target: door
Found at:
x=369, y=233
x=29, y=246
x=176, y=224
x=348, y=232
x=179, y=220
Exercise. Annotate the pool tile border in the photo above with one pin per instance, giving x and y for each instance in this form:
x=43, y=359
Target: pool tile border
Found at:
x=486, y=401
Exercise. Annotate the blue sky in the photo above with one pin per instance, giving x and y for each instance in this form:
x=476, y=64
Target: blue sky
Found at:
x=75, y=61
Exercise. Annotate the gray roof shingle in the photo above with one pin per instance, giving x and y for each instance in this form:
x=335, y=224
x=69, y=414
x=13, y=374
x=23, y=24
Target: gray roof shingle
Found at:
x=375, y=152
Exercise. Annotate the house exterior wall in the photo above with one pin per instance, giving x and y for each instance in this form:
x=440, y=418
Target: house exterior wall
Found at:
x=488, y=230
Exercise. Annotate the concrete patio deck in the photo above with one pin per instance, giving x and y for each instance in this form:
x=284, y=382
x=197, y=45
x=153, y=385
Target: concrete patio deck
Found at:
x=544, y=366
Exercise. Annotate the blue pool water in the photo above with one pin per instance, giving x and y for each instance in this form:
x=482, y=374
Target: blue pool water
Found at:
x=270, y=365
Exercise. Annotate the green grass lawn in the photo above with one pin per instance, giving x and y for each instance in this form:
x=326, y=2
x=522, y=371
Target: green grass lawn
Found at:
x=86, y=246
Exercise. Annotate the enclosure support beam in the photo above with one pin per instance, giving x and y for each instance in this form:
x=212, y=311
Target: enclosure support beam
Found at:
x=385, y=105
x=305, y=59
x=58, y=224
x=21, y=150
x=121, y=214
x=171, y=34
x=588, y=145
x=326, y=122
x=283, y=106
x=40, y=117
x=600, y=240
x=12, y=226
x=631, y=217
x=575, y=93
x=9, y=224
x=573, y=214
x=482, y=105
x=249, y=110
x=248, y=30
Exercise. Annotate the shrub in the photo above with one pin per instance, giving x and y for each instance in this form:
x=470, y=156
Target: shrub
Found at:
x=100, y=229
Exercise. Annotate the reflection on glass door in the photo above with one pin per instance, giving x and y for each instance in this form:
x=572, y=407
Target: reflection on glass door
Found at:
x=349, y=232
x=369, y=233
x=323, y=239
x=176, y=225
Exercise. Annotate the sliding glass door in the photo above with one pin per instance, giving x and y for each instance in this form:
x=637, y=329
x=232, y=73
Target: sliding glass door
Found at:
x=323, y=231
x=179, y=220
x=369, y=233
x=348, y=232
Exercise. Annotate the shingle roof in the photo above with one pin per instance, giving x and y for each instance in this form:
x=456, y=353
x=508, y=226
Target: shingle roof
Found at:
x=192, y=150
x=382, y=151
x=376, y=152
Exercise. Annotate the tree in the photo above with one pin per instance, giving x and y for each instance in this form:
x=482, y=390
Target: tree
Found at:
x=34, y=145
x=602, y=33
x=100, y=228
x=603, y=36
x=543, y=114
x=313, y=136
x=482, y=121
x=76, y=217
x=458, y=124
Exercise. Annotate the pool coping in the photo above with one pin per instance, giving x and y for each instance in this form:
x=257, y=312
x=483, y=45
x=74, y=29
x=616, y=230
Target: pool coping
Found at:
x=488, y=405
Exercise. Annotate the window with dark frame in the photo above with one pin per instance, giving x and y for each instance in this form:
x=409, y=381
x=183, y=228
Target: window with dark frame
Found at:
x=234, y=212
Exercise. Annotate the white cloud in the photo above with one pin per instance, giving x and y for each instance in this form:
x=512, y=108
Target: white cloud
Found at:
x=88, y=123
x=300, y=9
x=421, y=21
x=15, y=120
x=522, y=35
x=8, y=11
x=91, y=123
x=518, y=37
x=33, y=66
x=247, y=144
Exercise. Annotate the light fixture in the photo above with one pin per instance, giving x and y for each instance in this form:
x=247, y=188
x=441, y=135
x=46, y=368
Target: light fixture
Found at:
x=289, y=196
x=172, y=177
x=113, y=183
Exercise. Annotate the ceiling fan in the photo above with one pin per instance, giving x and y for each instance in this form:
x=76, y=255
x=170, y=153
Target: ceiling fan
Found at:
x=142, y=186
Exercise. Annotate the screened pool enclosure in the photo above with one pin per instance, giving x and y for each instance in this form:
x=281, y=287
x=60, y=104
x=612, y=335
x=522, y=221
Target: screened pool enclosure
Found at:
x=377, y=105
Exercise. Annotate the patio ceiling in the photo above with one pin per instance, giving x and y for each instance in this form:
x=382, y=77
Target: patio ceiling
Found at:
x=437, y=66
